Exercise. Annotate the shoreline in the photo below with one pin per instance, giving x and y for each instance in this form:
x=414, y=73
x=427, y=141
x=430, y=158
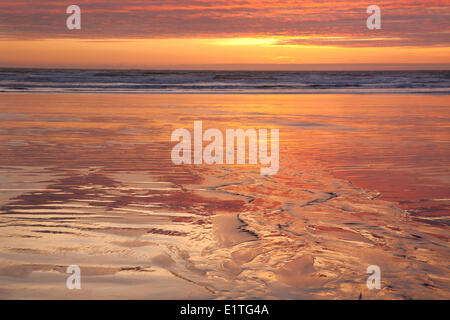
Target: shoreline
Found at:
x=92, y=184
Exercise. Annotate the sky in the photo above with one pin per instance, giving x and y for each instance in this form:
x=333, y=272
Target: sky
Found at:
x=225, y=34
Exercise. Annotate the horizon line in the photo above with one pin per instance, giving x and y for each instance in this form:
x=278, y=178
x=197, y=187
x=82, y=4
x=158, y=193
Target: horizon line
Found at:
x=258, y=67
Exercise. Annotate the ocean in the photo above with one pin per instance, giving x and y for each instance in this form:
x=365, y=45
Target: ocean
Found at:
x=269, y=82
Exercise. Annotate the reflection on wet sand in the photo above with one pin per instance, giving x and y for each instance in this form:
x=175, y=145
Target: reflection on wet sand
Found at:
x=87, y=180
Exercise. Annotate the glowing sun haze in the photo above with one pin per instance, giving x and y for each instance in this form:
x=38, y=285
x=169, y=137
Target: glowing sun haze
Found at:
x=161, y=34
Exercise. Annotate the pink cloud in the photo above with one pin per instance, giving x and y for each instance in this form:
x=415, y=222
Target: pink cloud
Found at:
x=416, y=23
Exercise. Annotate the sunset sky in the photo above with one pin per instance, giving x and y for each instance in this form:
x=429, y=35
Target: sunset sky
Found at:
x=223, y=34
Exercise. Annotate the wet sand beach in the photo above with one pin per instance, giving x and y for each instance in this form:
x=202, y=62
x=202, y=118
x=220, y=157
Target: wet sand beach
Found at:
x=87, y=180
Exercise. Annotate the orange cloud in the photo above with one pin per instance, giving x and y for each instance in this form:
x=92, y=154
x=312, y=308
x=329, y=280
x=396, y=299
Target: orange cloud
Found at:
x=138, y=33
x=417, y=23
x=169, y=53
